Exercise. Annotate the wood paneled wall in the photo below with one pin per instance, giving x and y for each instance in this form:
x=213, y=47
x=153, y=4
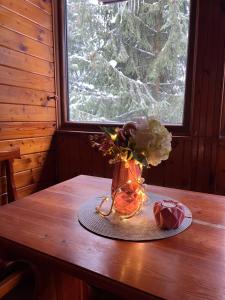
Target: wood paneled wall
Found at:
x=197, y=161
x=27, y=119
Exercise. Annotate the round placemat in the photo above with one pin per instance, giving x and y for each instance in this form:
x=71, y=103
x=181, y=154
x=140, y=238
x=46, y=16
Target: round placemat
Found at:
x=141, y=227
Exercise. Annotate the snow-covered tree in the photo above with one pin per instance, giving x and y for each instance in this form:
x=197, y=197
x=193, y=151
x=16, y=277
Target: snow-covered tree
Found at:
x=127, y=59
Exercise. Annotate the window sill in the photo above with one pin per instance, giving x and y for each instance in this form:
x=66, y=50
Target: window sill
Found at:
x=176, y=130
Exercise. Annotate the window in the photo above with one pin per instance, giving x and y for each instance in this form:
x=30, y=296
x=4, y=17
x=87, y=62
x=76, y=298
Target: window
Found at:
x=127, y=59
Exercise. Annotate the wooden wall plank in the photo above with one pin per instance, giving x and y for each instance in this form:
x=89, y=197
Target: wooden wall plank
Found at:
x=43, y=4
x=31, y=161
x=42, y=175
x=174, y=165
x=24, y=26
x=21, y=43
x=206, y=164
x=212, y=60
x=21, y=95
x=202, y=169
x=27, y=190
x=33, y=176
x=22, y=179
x=155, y=175
x=207, y=72
x=17, y=112
x=3, y=199
x=3, y=189
x=29, y=145
x=91, y=160
x=218, y=96
x=19, y=78
x=31, y=12
x=220, y=168
x=27, y=117
x=202, y=70
x=45, y=180
x=188, y=163
x=25, y=62
x=29, y=177
x=32, y=188
x=15, y=130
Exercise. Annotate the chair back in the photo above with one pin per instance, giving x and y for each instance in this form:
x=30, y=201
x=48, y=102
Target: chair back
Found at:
x=7, y=157
x=16, y=277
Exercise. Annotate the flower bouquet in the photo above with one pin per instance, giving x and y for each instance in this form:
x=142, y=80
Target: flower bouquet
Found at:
x=139, y=144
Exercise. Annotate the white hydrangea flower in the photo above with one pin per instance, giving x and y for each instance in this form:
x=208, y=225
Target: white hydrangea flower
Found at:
x=153, y=140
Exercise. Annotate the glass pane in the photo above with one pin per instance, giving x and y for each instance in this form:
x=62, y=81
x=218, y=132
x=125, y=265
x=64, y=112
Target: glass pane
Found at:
x=127, y=60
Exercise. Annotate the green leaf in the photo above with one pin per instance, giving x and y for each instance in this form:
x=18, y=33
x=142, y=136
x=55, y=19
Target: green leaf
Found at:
x=140, y=158
x=109, y=130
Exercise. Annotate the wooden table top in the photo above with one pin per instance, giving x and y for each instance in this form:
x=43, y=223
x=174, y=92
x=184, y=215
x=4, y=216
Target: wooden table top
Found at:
x=190, y=265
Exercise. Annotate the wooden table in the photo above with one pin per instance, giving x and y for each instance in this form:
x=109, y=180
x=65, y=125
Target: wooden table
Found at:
x=190, y=265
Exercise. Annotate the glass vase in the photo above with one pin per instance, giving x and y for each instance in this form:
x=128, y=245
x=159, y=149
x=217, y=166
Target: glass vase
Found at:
x=127, y=189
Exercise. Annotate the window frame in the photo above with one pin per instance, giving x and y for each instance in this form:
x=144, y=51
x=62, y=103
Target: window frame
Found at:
x=61, y=74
